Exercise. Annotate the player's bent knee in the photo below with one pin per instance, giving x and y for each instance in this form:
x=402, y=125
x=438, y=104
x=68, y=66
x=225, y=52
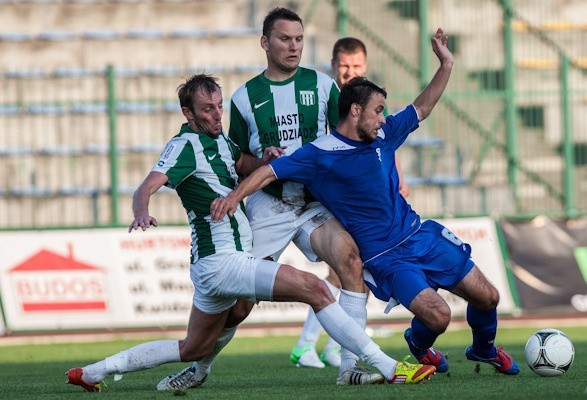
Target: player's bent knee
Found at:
x=439, y=319
x=321, y=296
x=492, y=299
x=238, y=313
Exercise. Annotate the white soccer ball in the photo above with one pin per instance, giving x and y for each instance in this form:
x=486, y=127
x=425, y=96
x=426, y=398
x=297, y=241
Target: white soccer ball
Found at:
x=549, y=352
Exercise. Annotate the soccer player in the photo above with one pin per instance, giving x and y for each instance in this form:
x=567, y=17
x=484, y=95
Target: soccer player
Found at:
x=349, y=60
x=288, y=106
x=201, y=163
x=353, y=173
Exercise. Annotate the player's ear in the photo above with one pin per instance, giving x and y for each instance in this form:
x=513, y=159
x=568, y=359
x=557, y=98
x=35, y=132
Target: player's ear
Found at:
x=265, y=42
x=356, y=109
x=187, y=113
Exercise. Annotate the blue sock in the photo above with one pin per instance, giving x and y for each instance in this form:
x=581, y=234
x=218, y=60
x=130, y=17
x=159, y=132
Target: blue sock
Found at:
x=422, y=338
x=484, y=327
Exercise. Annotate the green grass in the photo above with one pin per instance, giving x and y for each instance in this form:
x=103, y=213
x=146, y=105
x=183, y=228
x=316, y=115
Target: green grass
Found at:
x=258, y=369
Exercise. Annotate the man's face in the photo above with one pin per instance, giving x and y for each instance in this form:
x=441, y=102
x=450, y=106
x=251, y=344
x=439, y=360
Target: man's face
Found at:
x=347, y=66
x=284, y=45
x=371, y=118
x=207, y=113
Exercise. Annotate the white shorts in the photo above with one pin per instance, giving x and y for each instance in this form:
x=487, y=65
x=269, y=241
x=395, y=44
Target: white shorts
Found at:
x=275, y=224
x=221, y=279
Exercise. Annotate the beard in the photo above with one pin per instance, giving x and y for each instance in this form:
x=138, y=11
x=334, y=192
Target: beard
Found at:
x=366, y=136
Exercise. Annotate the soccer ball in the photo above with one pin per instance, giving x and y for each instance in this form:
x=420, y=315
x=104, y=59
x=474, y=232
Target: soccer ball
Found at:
x=549, y=352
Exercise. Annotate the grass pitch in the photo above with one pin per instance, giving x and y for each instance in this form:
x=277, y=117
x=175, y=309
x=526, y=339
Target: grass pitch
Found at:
x=259, y=369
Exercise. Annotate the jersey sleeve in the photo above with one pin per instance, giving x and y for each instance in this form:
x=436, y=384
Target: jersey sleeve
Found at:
x=333, y=106
x=177, y=161
x=299, y=167
x=239, y=129
x=400, y=125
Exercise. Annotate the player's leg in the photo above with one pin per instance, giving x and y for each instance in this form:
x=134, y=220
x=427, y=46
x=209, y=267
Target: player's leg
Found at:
x=304, y=353
x=331, y=353
x=203, y=330
x=197, y=373
x=431, y=316
x=483, y=298
x=274, y=225
x=291, y=284
x=333, y=244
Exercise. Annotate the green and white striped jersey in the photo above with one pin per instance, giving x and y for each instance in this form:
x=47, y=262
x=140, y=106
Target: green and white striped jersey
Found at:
x=291, y=113
x=202, y=169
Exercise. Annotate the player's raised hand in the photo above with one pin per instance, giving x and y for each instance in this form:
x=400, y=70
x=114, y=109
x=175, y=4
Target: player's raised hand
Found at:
x=439, y=41
x=142, y=221
x=222, y=206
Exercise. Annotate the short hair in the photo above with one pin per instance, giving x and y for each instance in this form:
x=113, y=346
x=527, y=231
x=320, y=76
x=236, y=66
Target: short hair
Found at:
x=348, y=45
x=187, y=90
x=358, y=90
x=276, y=14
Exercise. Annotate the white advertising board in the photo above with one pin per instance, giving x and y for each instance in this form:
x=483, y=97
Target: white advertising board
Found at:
x=109, y=279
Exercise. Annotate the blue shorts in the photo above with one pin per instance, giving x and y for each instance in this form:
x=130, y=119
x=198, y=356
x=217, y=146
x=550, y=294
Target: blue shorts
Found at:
x=433, y=257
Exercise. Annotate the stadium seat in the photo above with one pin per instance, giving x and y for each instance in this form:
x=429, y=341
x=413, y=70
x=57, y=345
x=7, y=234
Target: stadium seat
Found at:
x=144, y=34
x=135, y=107
x=145, y=148
x=56, y=35
x=72, y=72
x=14, y=37
x=164, y=70
x=47, y=109
x=89, y=108
x=33, y=191
x=421, y=143
x=126, y=72
x=444, y=181
x=9, y=109
x=171, y=106
x=16, y=151
x=424, y=141
x=415, y=180
x=102, y=34
x=237, y=31
x=97, y=149
x=59, y=150
x=79, y=191
x=26, y=73
x=188, y=33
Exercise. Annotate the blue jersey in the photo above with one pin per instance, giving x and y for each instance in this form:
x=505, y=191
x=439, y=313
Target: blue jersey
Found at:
x=359, y=183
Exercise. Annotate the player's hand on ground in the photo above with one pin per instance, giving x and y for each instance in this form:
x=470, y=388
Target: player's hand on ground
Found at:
x=439, y=41
x=222, y=206
x=272, y=152
x=142, y=221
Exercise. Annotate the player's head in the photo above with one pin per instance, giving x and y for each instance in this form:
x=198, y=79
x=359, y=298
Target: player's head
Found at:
x=283, y=39
x=349, y=59
x=200, y=98
x=363, y=102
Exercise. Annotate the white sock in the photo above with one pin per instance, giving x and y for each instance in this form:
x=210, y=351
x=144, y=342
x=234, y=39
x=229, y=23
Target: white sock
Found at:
x=351, y=336
x=143, y=356
x=203, y=366
x=312, y=328
x=355, y=305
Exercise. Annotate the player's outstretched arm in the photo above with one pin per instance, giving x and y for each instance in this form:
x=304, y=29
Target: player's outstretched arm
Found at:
x=426, y=101
x=140, y=201
x=260, y=178
x=247, y=163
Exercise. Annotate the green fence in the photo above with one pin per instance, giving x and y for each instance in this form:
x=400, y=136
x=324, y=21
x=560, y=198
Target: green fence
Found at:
x=512, y=123
x=509, y=137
